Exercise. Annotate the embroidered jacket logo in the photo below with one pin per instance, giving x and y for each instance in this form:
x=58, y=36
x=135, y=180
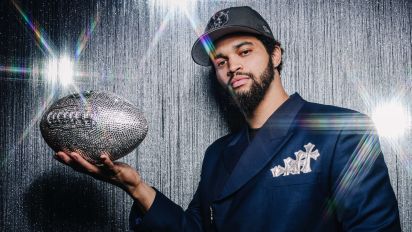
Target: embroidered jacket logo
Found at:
x=300, y=164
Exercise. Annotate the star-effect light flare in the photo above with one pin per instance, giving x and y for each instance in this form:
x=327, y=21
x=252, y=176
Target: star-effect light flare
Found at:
x=55, y=71
x=209, y=46
x=391, y=119
x=393, y=123
x=64, y=63
x=39, y=34
x=335, y=122
x=360, y=163
x=156, y=37
x=182, y=6
x=60, y=71
x=11, y=69
x=85, y=36
x=23, y=71
x=170, y=4
x=206, y=41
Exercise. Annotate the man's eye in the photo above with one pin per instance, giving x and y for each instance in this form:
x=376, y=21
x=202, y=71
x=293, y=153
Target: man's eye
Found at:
x=245, y=52
x=221, y=63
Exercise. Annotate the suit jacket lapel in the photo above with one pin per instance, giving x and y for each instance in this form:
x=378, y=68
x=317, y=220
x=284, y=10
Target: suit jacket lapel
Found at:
x=254, y=159
x=221, y=174
x=263, y=148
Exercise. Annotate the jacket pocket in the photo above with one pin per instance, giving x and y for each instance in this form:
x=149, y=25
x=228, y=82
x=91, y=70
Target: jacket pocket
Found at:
x=297, y=179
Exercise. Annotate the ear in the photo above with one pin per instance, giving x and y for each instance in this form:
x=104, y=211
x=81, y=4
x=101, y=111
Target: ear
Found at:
x=276, y=56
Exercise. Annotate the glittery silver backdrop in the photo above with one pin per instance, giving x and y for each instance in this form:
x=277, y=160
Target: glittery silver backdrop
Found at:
x=354, y=54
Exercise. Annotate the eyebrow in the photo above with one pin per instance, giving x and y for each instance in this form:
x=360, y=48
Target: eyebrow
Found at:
x=237, y=46
x=242, y=44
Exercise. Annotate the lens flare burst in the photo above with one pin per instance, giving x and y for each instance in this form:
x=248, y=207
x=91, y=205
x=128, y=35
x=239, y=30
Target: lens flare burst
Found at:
x=157, y=36
x=358, y=166
x=39, y=35
x=60, y=71
x=85, y=36
x=11, y=69
x=170, y=4
x=350, y=122
x=208, y=46
x=391, y=119
x=184, y=7
x=57, y=71
x=206, y=41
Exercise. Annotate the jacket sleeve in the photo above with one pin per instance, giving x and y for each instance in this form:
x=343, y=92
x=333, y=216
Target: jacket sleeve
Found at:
x=165, y=215
x=362, y=194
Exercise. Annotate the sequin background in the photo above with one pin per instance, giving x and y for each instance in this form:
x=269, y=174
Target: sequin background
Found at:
x=354, y=54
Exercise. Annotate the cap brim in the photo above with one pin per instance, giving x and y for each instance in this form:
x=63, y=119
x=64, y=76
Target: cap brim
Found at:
x=199, y=54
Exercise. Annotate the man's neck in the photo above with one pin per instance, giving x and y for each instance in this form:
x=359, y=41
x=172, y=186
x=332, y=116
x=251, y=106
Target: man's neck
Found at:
x=273, y=99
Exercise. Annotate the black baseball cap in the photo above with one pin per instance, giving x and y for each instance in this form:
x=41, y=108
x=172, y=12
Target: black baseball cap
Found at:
x=228, y=21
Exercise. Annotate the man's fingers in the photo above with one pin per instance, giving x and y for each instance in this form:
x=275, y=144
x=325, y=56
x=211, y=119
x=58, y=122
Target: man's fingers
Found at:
x=109, y=167
x=78, y=163
x=90, y=168
x=107, y=162
x=63, y=158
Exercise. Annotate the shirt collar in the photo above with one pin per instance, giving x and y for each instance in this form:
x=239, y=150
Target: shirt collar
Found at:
x=278, y=124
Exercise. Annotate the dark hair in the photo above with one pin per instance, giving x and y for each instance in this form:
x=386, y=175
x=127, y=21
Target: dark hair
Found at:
x=231, y=113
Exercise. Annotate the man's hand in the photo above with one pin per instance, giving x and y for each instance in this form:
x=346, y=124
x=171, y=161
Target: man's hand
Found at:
x=116, y=173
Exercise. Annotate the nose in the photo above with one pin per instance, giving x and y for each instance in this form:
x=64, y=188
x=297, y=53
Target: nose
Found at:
x=234, y=66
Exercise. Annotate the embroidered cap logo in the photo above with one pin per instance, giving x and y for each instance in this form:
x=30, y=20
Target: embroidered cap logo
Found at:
x=218, y=20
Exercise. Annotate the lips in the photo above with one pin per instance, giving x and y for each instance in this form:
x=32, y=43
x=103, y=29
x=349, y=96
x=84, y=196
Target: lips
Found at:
x=239, y=81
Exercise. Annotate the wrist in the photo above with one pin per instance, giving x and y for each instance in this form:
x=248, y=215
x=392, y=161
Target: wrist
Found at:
x=136, y=191
x=144, y=194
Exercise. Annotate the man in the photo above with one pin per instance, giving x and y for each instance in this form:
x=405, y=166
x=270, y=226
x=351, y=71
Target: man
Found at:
x=294, y=166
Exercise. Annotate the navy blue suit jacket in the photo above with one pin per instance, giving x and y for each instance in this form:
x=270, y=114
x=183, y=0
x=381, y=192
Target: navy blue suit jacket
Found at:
x=311, y=167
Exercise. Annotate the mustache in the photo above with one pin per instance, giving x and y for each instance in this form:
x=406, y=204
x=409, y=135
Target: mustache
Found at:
x=231, y=75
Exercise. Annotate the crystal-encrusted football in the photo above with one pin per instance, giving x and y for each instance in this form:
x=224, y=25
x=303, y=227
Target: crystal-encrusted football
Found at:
x=91, y=123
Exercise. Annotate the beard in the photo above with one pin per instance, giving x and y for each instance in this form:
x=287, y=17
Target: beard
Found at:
x=248, y=100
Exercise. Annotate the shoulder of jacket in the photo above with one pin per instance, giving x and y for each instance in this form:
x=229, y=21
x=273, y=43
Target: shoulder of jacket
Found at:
x=315, y=116
x=323, y=108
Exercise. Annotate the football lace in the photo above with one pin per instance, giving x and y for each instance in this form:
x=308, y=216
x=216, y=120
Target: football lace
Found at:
x=72, y=118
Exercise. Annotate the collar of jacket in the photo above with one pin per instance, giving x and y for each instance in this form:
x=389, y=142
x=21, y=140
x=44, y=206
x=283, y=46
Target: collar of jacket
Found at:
x=268, y=141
